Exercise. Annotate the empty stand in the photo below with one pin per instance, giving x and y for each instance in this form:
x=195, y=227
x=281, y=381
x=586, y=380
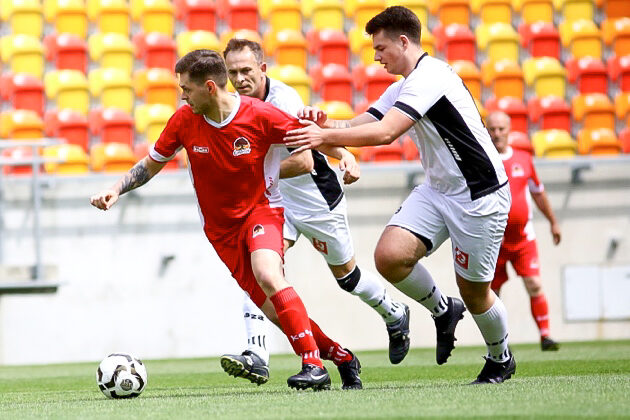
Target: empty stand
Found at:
x=26, y=92
x=471, y=75
x=111, y=157
x=594, y=110
x=114, y=87
x=200, y=15
x=551, y=112
x=554, y=144
x=69, y=89
x=589, y=73
x=599, y=141
x=514, y=108
x=294, y=76
x=72, y=159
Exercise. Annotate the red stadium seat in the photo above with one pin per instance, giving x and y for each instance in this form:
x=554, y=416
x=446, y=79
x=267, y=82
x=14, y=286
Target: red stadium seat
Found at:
x=541, y=39
x=67, y=51
x=520, y=141
x=242, y=14
x=332, y=46
x=410, y=150
x=27, y=92
x=333, y=82
x=200, y=14
x=156, y=49
x=372, y=80
x=383, y=153
x=18, y=153
x=551, y=111
x=589, y=73
x=514, y=107
x=112, y=125
x=73, y=127
x=624, y=139
x=619, y=69
x=457, y=42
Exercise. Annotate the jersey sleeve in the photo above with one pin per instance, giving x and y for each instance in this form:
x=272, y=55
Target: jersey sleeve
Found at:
x=277, y=122
x=419, y=94
x=379, y=108
x=167, y=146
x=290, y=102
x=534, y=184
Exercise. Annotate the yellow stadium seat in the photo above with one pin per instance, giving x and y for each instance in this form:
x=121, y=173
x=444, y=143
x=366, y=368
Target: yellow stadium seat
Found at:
x=546, y=75
x=419, y=7
x=492, y=11
x=453, y=11
x=572, y=10
x=622, y=105
x=70, y=16
x=326, y=14
x=113, y=16
x=264, y=6
x=111, y=157
x=112, y=50
x=21, y=124
x=114, y=88
x=361, y=45
x=554, y=144
x=285, y=14
x=534, y=10
x=288, y=47
x=151, y=119
x=72, y=159
x=69, y=88
x=23, y=53
x=471, y=76
x=157, y=86
x=582, y=37
x=194, y=40
x=500, y=41
x=240, y=34
x=295, y=77
x=427, y=40
x=364, y=10
x=25, y=17
x=599, y=141
x=594, y=110
x=158, y=16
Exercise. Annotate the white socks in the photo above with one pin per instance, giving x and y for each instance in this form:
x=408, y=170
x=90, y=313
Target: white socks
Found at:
x=419, y=286
x=256, y=329
x=493, y=327
x=372, y=291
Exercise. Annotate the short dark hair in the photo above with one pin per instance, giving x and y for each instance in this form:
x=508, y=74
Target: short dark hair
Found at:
x=238, y=44
x=202, y=65
x=396, y=21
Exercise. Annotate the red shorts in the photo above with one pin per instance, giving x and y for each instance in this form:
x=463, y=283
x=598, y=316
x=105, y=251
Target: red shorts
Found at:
x=261, y=230
x=524, y=259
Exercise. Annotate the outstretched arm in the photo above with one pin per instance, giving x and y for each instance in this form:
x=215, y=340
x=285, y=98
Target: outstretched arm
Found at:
x=299, y=163
x=137, y=176
x=542, y=202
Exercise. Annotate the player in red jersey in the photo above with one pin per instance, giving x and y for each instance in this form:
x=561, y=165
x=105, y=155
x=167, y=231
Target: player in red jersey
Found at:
x=519, y=241
x=232, y=143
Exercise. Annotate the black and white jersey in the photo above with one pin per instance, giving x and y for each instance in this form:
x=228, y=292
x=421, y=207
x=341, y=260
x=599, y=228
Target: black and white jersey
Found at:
x=317, y=192
x=457, y=153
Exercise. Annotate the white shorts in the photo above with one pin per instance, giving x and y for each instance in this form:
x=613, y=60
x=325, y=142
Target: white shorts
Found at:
x=328, y=232
x=475, y=227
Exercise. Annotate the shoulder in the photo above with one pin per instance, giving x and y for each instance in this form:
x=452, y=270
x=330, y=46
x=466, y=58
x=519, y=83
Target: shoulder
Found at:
x=284, y=96
x=430, y=71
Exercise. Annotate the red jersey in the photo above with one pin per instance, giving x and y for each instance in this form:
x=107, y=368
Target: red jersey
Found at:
x=234, y=164
x=521, y=173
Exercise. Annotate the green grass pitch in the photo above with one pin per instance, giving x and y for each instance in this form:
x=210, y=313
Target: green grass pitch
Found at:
x=582, y=380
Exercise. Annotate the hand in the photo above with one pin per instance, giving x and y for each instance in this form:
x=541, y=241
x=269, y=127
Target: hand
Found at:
x=105, y=199
x=310, y=136
x=350, y=168
x=314, y=114
x=555, y=232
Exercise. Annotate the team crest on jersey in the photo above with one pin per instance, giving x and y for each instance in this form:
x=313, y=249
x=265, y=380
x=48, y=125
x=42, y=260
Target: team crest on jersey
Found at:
x=321, y=246
x=258, y=230
x=241, y=146
x=461, y=258
x=517, y=170
x=200, y=149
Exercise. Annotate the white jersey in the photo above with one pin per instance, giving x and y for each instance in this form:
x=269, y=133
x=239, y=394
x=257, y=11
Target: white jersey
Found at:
x=456, y=151
x=317, y=192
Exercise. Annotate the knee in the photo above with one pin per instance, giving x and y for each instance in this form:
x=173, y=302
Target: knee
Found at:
x=533, y=286
x=390, y=265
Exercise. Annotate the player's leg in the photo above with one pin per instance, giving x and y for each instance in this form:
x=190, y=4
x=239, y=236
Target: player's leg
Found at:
x=500, y=271
x=415, y=230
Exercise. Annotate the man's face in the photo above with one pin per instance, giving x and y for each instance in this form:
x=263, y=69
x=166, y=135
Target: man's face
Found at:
x=498, y=126
x=388, y=51
x=246, y=75
x=196, y=95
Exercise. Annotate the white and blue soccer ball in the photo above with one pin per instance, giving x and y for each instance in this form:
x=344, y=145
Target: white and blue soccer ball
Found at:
x=120, y=375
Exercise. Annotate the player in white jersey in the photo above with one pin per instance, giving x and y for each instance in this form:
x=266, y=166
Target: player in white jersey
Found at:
x=465, y=195
x=315, y=207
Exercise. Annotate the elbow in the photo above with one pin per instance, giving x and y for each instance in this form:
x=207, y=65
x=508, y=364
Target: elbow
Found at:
x=309, y=166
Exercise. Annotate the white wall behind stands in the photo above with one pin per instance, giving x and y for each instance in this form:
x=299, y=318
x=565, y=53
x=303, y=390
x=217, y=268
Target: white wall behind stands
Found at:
x=142, y=277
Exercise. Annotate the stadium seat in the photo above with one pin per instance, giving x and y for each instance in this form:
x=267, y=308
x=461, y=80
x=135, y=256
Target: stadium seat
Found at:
x=428, y=42
x=372, y=80
x=506, y=79
x=550, y=112
x=514, y=107
x=241, y=34
x=112, y=50
x=457, y=42
x=242, y=14
x=453, y=11
x=112, y=125
x=332, y=46
x=70, y=16
x=67, y=51
x=392, y=152
x=554, y=144
x=27, y=92
x=336, y=110
x=327, y=14
x=333, y=82
x=573, y=10
x=69, y=89
x=18, y=153
x=617, y=34
x=541, y=39
x=150, y=120
x=471, y=76
x=157, y=50
x=589, y=73
x=520, y=141
x=532, y=11
x=624, y=139
x=26, y=17
x=288, y=47
x=158, y=16
x=114, y=87
x=284, y=14
x=499, y=40
x=364, y=10
x=200, y=15
x=113, y=16
x=22, y=124
x=622, y=105
x=410, y=150
x=23, y=54
x=294, y=76
x=111, y=157
x=619, y=71
x=492, y=11
x=599, y=141
x=72, y=159
x=419, y=7
x=582, y=38
x=157, y=86
x=546, y=75
x=70, y=125
x=616, y=9
x=361, y=45
x=193, y=40
x=594, y=110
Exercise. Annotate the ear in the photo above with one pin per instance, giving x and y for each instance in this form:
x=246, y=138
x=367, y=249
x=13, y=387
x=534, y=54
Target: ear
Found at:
x=211, y=86
x=263, y=67
x=404, y=40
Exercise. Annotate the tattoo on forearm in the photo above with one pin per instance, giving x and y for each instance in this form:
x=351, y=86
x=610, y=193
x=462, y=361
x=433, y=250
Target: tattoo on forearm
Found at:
x=341, y=124
x=136, y=177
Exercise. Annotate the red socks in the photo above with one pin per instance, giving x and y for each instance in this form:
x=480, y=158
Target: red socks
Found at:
x=540, y=312
x=296, y=326
x=330, y=349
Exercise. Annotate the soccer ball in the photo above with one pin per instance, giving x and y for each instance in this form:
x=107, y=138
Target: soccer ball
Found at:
x=121, y=375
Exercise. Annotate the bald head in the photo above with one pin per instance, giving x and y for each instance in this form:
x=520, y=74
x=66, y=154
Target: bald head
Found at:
x=498, y=125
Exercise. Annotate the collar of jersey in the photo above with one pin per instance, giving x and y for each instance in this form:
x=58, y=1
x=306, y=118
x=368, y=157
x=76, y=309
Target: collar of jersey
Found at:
x=229, y=117
x=508, y=153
